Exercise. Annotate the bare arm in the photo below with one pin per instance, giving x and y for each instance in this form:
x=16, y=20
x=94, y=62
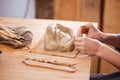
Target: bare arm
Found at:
x=93, y=32
x=109, y=55
x=94, y=47
x=111, y=39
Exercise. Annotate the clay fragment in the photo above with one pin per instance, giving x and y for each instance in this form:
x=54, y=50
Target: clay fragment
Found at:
x=49, y=66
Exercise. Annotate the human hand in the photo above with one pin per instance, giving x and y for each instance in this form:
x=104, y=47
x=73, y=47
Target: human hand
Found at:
x=90, y=31
x=87, y=45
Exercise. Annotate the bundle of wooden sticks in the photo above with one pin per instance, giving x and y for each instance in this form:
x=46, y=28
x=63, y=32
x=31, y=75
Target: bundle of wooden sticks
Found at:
x=16, y=37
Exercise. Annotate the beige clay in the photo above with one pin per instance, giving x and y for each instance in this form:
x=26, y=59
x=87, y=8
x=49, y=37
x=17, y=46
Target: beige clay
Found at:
x=47, y=65
x=58, y=37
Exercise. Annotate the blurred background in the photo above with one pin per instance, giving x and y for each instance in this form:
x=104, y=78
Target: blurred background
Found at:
x=105, y=12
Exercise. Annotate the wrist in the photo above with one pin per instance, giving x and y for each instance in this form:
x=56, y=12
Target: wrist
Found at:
x=101, y=47
x=102, y=37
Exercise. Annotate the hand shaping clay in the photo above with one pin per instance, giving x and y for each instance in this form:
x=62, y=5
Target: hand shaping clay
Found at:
x=58, y=37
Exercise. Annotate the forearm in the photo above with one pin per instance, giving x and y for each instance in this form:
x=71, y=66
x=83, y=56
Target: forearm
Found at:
x=109, y=55
x=111, y=39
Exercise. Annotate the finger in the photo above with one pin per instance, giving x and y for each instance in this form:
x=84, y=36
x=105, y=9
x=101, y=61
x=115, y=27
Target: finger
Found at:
x=79, y=39
x=83, y=29
x=79, y=33
x=77, y=43
x=79, y=48
x=82, y=50
x=89, y=25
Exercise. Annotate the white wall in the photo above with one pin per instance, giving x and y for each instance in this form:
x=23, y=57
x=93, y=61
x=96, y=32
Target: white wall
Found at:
x=17, y=8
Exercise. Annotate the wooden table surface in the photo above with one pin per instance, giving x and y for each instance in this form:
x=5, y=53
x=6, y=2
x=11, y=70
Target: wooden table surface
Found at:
x=12, y=67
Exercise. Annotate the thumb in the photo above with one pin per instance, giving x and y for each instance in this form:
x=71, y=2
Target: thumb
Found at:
x=79, y=32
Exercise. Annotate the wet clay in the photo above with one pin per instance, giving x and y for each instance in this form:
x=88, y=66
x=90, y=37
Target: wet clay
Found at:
x=58, y=37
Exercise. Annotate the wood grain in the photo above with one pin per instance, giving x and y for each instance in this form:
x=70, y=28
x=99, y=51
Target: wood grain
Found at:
x=65, y=9
x=111, y=24
x=12, y=68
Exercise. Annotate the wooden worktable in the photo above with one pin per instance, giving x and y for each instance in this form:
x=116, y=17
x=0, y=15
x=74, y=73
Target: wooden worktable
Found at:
x=12, y=67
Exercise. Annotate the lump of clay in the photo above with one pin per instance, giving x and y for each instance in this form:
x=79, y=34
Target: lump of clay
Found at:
x=58, y=37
